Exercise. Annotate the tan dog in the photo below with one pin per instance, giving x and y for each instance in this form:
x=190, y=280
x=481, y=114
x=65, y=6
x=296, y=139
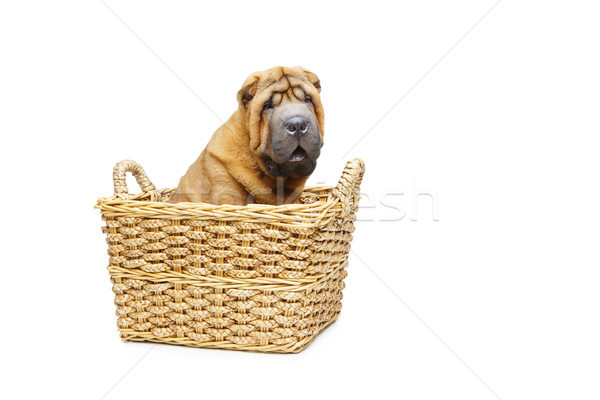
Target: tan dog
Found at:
x=267, y=149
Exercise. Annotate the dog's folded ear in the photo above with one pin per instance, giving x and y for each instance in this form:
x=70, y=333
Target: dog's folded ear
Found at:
x=313, y=78
x=248, y=89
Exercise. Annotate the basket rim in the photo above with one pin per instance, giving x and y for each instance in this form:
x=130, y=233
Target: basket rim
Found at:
x=316, y=213
x=337, y=201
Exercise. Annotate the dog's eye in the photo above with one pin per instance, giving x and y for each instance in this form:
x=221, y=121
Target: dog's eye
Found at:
x=308, y=100
x=268, y=106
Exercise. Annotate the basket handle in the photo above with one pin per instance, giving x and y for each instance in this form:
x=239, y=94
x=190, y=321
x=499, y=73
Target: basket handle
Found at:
x=119, y=172
x=347, y=189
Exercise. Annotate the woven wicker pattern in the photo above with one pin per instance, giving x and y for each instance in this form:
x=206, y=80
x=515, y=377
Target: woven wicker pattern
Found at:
x=256, y=277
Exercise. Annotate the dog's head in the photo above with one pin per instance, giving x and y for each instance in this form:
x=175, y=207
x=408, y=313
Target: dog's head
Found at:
x=284, y=116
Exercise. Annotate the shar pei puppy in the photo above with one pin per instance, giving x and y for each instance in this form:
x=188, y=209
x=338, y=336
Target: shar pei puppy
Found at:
x=267, y=149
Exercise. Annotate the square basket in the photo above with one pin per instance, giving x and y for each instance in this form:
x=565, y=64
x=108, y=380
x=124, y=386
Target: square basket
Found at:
x=256, y=277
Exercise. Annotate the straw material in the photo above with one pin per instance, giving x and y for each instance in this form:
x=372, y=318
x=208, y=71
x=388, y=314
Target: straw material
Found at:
x=255, y=277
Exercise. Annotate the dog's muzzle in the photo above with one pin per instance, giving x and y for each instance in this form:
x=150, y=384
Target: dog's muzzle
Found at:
x=295, y=142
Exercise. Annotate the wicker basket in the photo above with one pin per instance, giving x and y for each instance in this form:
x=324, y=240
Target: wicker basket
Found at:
x=256, y=277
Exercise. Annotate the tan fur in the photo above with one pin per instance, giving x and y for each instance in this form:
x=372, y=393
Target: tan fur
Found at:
x=231, y=169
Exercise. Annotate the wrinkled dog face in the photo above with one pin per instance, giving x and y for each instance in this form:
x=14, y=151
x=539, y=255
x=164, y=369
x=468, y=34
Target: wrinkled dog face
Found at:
x=285, y=117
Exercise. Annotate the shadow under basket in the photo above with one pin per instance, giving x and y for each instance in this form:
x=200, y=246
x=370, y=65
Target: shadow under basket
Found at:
x=256, y=277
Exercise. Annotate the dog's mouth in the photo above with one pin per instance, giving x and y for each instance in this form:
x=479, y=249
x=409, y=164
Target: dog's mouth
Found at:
x=298, y=164
x=297, y=155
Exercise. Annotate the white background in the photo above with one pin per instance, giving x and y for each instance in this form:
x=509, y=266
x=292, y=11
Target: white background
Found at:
x=499, y=298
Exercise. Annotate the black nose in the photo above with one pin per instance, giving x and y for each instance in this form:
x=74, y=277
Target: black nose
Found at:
x=297, y=125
